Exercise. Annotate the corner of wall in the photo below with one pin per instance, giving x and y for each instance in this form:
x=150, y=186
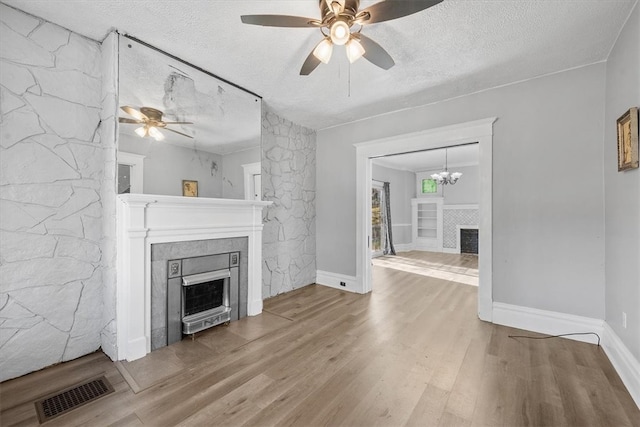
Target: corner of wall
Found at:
x=289, y=180
x=625, y=364
x=108, y=190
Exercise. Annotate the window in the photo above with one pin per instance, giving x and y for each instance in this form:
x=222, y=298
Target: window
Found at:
x=429, y=186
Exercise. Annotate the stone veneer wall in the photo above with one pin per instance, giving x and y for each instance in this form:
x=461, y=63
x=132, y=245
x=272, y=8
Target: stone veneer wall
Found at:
x=51, y=175
x=109, y=191
x=289, y=180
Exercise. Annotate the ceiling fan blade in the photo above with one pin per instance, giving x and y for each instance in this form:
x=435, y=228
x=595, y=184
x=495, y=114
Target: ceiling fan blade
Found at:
x=375, y=53
x=280, y=21
x=134, y=113
x=393, y=9
x=310, y=64
x=177, y=123
x=126, y=120
x=179, y=133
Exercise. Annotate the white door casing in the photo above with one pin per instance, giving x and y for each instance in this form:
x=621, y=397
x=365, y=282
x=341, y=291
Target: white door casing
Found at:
x=480, y=131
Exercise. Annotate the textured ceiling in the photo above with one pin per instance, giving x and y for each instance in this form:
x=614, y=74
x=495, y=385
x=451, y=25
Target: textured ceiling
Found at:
x=451, y=49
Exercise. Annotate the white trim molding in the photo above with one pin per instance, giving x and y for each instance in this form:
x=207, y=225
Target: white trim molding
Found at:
x=460, y=207
x=625, y=364
x=404, y=247
x=136, y=174
x=249, y=171
x=332, y=280
x=547, y=322
x=480, y=131
x=145, y=219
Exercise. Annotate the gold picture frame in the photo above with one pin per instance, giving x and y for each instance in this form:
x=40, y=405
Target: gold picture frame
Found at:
x=628, y=140
x=189, y=188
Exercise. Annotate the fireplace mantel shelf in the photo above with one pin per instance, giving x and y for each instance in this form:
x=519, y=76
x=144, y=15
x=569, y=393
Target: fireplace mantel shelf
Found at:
x=188, y=201
x=146, y=219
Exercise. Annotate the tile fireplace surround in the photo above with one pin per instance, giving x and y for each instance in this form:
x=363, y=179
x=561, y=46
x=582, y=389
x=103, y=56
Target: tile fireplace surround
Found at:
x=144, y=220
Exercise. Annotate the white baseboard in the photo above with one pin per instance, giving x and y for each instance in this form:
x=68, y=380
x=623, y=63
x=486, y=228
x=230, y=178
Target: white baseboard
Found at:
x=333, y=280
x=254, y=307
x=450, y=251
x=403, y=247
x=625, y=364
x=547, y=322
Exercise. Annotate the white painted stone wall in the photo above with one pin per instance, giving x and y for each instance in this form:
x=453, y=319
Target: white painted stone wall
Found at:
x=51, y=173
x=108, y=191
x=289, y=180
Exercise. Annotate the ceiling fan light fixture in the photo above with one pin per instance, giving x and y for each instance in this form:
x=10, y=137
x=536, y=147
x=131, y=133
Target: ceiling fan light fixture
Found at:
x=323, y=50
x=340, y=33
x=354, y=50
x=141, y=131
x=155, y=134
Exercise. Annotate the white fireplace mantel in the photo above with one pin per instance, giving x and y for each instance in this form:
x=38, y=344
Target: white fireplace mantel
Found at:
x=144, y=220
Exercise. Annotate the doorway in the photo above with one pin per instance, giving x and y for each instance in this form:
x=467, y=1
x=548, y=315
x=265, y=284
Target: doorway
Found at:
x=432, y=222
x=480, y=131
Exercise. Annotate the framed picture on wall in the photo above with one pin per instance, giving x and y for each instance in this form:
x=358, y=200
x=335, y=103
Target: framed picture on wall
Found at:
x=429, y=186
x=189, y=188
x=628, y=140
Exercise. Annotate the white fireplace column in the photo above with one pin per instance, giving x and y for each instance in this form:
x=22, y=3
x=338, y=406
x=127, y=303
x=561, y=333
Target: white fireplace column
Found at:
x=144, y=220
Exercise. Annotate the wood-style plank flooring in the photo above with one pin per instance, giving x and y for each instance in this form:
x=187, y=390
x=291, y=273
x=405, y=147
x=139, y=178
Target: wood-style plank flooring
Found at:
x=410, y=353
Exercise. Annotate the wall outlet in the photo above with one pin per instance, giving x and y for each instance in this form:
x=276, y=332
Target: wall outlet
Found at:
x=624, y=320
x=343, y=284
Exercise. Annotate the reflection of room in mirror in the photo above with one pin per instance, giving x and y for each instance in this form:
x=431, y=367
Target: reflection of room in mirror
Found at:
x=124, y=179
x=222, y=134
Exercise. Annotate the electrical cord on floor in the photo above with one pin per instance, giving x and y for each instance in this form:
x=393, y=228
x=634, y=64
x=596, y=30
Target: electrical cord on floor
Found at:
x=556, y=336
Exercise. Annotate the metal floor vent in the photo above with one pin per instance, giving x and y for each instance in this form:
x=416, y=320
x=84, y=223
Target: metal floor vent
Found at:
x=71, y=398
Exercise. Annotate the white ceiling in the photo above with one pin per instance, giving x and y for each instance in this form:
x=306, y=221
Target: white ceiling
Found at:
x=429, y=160
x=454, y=48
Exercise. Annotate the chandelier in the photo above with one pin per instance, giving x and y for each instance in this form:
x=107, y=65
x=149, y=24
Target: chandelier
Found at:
x=444, y=177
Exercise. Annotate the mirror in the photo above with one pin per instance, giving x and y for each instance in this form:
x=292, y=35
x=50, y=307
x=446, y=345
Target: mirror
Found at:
x=183, y=131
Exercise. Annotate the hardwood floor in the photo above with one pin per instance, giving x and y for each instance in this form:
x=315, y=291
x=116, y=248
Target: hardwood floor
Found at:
x=459, y=268
x=411, y=353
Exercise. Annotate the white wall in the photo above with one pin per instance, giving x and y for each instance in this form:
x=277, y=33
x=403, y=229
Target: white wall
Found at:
x=622, y=192
x=51, y=174
x=402, y=190
x=548, y=236
x=166, y=165
x=233, y=173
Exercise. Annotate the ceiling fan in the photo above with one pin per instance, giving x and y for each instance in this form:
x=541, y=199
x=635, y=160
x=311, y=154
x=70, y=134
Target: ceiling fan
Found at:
x=338, y=19
x=151, y=121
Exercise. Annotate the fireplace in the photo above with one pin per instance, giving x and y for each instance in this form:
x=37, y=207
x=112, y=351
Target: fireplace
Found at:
x=469, y=241
x=146, y=223
x=194, y=293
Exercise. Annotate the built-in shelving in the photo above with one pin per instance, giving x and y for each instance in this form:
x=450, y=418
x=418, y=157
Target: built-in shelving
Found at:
x=427, y=223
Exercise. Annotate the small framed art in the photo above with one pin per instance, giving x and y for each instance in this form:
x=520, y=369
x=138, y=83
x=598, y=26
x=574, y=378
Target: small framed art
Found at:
x=628, y=140
x=189, y=188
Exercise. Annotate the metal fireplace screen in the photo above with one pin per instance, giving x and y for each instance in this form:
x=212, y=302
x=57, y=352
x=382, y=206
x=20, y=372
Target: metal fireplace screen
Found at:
x=205, y=300
x=203, y=296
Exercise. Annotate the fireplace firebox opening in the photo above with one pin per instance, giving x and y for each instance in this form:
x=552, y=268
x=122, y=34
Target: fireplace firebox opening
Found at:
x=202, y=292
x=205, y=300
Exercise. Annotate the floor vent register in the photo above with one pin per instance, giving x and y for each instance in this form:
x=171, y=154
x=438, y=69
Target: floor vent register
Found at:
x=73, y=397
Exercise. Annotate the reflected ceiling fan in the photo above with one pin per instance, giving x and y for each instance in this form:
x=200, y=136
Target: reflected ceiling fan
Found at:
x=339, y=18
x=151, y=121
